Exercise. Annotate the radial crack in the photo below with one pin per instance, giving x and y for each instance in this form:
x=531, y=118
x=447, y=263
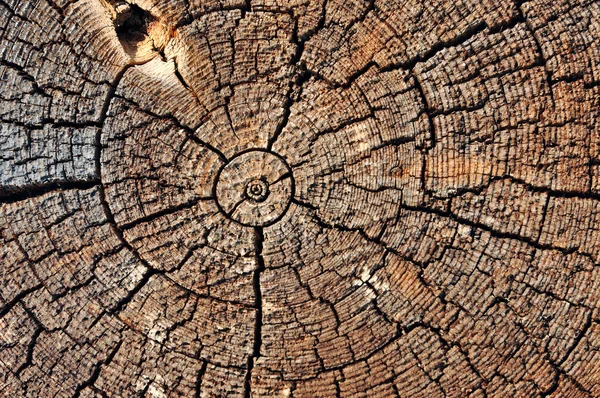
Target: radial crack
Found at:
x=259, y=236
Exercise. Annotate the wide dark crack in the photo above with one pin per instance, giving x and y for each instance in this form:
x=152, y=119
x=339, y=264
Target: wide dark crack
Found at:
x=256, y=349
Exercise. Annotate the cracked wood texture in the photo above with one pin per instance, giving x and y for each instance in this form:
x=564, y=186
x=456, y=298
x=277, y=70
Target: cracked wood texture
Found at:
x=301, y=198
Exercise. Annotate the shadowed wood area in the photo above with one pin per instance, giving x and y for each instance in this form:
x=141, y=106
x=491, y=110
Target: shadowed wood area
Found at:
x=301, y=198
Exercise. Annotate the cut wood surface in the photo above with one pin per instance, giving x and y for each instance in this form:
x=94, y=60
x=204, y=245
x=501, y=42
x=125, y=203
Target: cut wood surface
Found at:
x=302, y=198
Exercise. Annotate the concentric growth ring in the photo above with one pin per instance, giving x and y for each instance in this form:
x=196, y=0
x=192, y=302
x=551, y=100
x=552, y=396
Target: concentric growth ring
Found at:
x=299, y=198
x=255, y=188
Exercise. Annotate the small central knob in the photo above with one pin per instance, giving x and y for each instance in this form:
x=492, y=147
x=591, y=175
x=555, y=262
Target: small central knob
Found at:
x=257, y=190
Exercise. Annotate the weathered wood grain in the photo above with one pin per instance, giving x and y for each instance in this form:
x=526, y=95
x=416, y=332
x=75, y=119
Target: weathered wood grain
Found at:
x=303, y=198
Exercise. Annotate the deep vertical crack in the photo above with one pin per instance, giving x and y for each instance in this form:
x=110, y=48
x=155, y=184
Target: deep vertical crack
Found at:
x=199, y=378
x=259, y=239
x=97, y=369
x=301, y=77
x=103, y=115
x=102, y=196
x=30, y=348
